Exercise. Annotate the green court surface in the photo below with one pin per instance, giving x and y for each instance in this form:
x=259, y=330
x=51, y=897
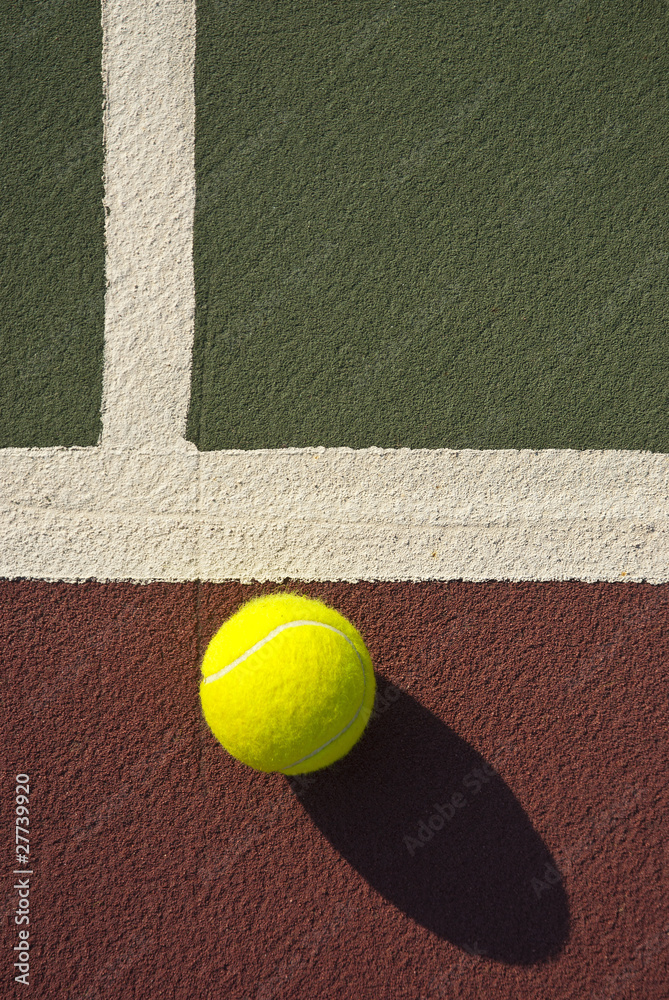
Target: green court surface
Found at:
x=51, y=223
x=431, y=225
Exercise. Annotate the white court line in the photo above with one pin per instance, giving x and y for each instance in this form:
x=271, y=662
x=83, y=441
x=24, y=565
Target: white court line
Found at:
x=149, y=127
x=145, y=505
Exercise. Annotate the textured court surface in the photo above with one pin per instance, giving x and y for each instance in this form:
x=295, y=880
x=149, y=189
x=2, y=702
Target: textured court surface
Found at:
x=51, y=223
x=431, y=225
x=534, y=715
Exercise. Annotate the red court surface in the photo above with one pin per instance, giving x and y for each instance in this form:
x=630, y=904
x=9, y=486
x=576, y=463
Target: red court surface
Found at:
x=499, y=832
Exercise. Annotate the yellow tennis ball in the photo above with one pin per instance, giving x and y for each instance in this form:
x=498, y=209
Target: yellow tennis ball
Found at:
x=287, y=684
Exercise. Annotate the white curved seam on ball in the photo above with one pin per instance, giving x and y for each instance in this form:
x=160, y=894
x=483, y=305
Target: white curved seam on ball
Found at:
x=262, y=642
x=339, y=734
x=360, y=707
x=268, y=638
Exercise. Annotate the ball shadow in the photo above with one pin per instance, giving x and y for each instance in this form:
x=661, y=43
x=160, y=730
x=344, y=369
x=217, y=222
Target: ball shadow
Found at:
x=432, y=826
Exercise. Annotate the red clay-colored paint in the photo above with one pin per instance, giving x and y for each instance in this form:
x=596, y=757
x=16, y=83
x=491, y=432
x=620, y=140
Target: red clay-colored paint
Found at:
x=498, y=832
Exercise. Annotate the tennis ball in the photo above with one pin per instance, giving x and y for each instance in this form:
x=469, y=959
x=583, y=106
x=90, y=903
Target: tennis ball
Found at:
x=287, y=684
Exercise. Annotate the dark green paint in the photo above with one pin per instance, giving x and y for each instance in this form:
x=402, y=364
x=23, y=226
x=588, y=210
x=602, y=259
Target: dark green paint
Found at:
x=51, y=223
x=431, y=225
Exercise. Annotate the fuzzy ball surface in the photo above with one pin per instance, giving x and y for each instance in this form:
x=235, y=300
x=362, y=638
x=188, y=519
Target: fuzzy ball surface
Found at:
x=287, y=684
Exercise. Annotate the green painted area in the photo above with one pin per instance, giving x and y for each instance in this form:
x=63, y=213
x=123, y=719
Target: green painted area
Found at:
x=431, y=225
x=51, y=223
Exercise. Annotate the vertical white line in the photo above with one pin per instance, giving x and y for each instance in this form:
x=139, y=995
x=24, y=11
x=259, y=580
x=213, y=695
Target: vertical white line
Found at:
x=148, y=71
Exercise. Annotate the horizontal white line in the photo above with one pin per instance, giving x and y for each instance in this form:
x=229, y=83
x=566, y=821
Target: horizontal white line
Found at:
x=333, y=514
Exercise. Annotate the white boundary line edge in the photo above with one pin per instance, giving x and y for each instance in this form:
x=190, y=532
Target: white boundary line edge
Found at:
x=146, y=505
